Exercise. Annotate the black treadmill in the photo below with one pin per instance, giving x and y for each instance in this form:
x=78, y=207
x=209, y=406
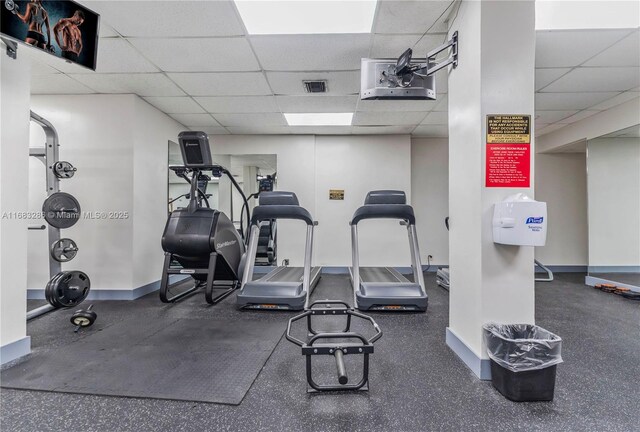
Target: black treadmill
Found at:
x=284, y=288
x=384, y=288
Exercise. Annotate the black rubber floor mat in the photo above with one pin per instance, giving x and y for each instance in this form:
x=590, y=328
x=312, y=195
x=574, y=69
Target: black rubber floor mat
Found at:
x=203, y=360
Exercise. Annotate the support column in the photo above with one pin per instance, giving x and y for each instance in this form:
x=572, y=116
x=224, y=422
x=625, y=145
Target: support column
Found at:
x=250, y=184
x=224, y=188
x=495, y=75
x=15, y=90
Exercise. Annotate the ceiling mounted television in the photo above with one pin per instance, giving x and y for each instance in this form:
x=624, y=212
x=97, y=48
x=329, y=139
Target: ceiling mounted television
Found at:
x=62, y=28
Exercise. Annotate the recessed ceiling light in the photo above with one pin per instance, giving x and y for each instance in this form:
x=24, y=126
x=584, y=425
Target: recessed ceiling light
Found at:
x=263, y=17
x=319, y=119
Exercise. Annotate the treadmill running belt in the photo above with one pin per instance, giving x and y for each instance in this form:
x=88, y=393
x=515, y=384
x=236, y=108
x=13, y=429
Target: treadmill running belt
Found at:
x=380, y=274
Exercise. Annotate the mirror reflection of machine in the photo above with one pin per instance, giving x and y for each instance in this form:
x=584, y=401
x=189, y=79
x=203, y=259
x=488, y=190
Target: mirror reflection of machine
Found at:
x=405, y=78
x=203, y=182
x=266, y=252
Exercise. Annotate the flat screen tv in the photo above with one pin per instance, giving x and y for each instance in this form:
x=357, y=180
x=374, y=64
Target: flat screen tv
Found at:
x=62, y=28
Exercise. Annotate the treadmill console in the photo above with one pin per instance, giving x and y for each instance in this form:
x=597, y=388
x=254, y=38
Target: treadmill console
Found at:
x=195, y=149
x=386, y=197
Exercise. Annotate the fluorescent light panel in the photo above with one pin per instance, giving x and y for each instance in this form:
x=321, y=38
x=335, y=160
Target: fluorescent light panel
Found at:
x=262, y=17
x=318, y=119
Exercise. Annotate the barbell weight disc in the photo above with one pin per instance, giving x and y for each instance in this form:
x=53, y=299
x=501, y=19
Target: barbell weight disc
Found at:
x=49, y=291
x=61, y=210
x=64, y=170
x=64, y=250
x=71, y=288
x=83, y=318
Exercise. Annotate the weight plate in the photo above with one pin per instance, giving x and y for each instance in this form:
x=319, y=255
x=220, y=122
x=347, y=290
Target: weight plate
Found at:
x=83, y=318
x=49, y=291
x=64, y=250
x=70, y=289
x=64, y=170
x=61, y=210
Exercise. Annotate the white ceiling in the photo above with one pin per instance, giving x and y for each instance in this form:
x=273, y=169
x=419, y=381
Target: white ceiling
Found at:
x=210, y=75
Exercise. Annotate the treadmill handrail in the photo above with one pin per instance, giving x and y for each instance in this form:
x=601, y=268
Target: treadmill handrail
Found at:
x=384, y=211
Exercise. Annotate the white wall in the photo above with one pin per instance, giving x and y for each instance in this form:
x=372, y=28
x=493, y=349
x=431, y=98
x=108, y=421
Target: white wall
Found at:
x=151, y=133
x=296, y=172
x=611, y=120
x=430, y=196
x=95, y=136
x=118, y=143
x=359, y=164
x=613, y=166
x=14, y=135
x=561, y=181
x=311, y=165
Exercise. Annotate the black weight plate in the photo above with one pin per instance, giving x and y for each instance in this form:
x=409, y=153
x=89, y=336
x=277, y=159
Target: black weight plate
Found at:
x=83, y=318
x=63, y=170
x=64, y=250
x=71, y=288
x=61, y=210
x=49, y=291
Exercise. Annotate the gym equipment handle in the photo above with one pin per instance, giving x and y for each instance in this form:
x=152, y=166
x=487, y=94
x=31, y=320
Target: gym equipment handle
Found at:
x=342, y=372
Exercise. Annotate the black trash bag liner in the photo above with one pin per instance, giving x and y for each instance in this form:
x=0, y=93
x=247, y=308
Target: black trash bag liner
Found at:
x=522, y=347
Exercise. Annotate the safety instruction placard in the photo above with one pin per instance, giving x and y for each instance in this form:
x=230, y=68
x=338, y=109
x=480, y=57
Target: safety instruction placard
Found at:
x=336, y=194
x=508, y=157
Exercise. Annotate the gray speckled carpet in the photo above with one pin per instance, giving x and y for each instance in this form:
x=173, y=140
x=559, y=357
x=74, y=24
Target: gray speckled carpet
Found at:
x=417, y=383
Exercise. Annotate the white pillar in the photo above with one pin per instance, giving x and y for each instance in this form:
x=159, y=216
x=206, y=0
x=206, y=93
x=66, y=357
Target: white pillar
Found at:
x=495, y=75
x=225, y=188
x=15, y=90
x=250, y=184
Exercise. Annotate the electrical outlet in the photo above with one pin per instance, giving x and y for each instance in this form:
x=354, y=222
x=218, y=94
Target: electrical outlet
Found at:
x=285, y=262
x=430, y=257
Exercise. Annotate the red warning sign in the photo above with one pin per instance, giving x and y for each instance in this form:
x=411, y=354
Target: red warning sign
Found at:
x=508, y=157
x=508, y=165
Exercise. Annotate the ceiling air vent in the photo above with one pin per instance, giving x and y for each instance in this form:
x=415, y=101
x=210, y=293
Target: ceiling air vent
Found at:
x=315, y=86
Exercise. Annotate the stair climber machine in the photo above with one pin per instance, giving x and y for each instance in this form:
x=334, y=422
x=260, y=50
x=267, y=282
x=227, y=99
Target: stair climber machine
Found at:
x=198, y=241
x=384, y=288
x=266, y=251
x=284, y=288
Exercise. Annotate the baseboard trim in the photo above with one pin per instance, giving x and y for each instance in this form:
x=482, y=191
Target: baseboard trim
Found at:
x=14, y=350
x=335, y=270
x=593, y=281
x=614, y=269
x=403, y=270
x=564, y=269
x=105, y=294
x=479, y=366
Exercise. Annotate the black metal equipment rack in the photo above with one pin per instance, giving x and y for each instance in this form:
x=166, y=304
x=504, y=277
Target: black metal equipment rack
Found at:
x=336, y=348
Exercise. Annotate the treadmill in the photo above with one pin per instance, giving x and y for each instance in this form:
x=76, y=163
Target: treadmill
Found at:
x=384, y=288
x=284, y=288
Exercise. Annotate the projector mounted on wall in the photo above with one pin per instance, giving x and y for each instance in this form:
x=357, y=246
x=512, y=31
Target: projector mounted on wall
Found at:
x=402, y=78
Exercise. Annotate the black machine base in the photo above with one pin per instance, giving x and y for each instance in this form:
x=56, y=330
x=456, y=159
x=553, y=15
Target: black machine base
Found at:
x=202, y=278
x=336, y=345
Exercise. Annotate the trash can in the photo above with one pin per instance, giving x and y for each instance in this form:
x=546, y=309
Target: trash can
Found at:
x=523, y=360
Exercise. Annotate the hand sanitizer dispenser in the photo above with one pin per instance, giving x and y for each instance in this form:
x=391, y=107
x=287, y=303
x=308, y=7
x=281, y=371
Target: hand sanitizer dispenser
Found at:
x=521, y=221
